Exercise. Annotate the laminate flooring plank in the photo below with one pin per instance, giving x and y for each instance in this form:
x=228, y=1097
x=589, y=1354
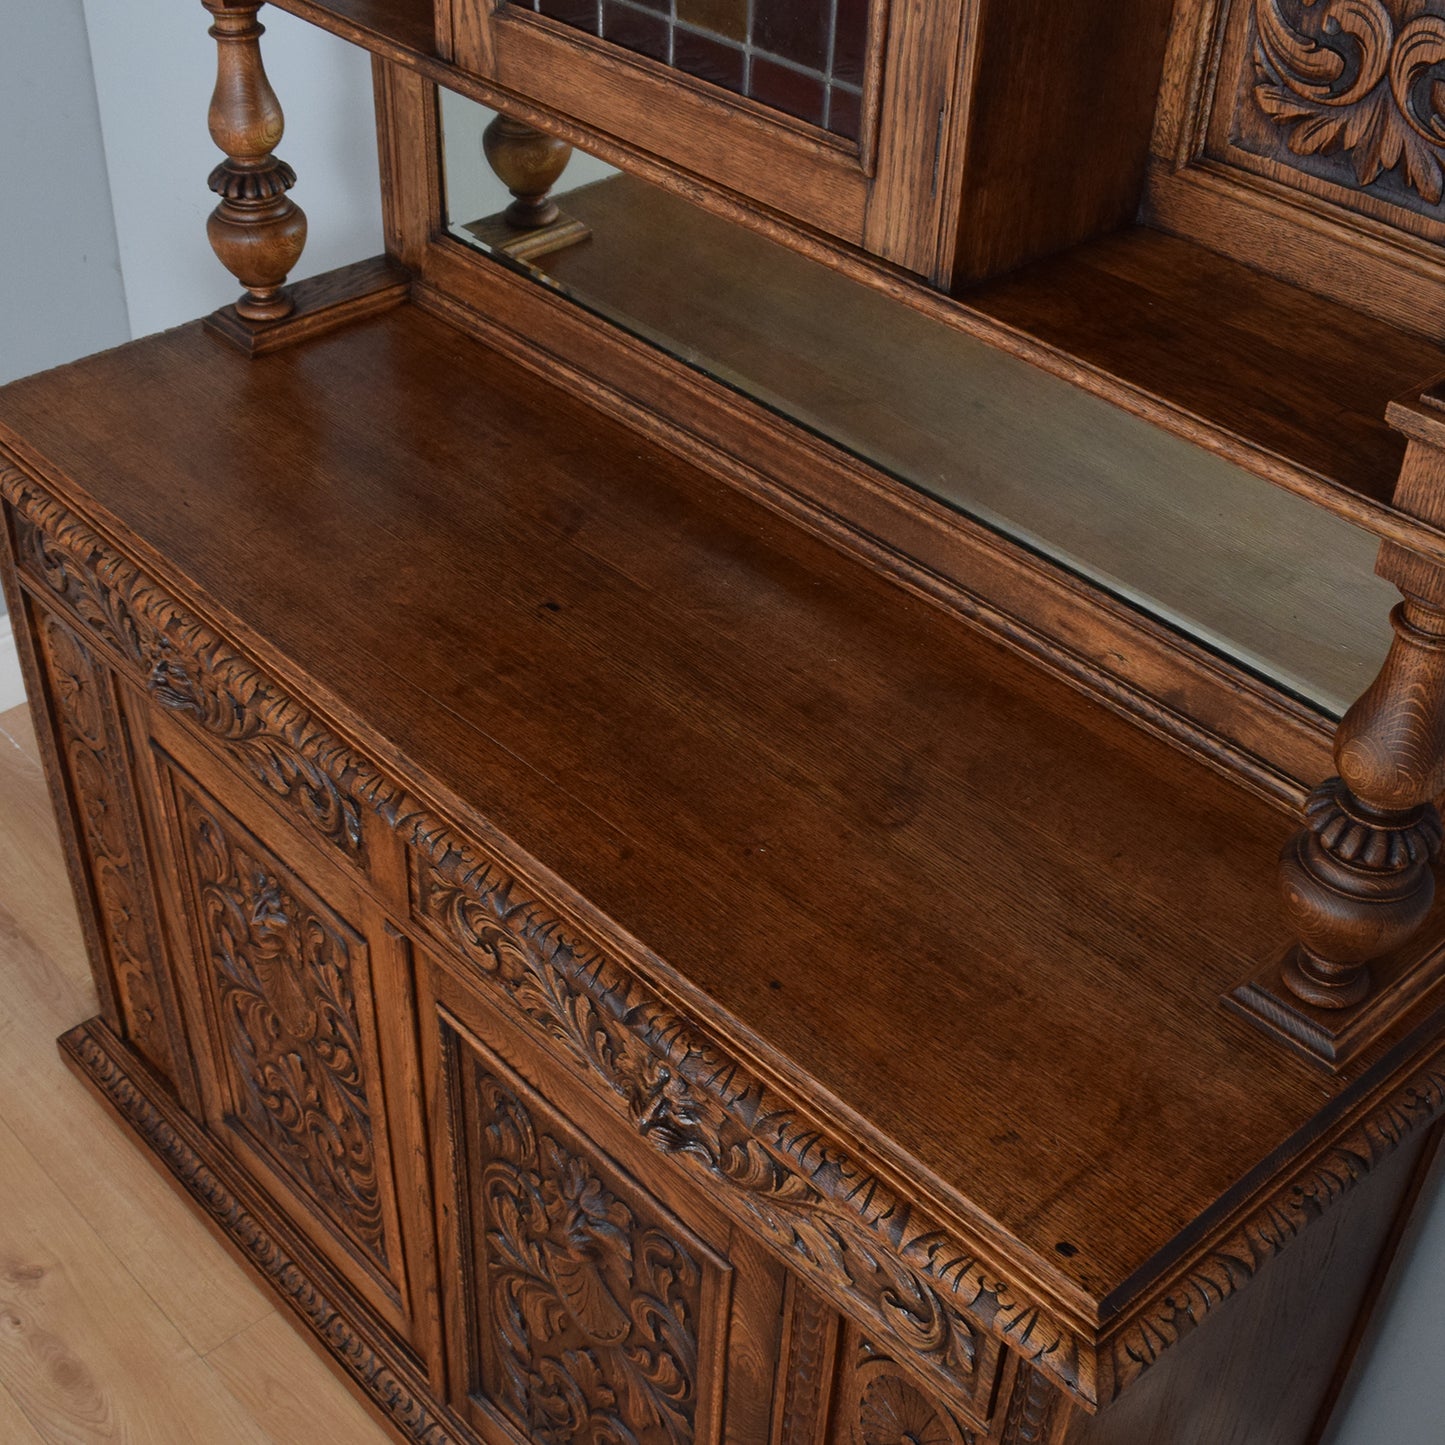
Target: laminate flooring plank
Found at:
x=34, y=886
x=292, y=1395
x=16, y=728
x=111, y=1290
x=143, y=1222
x=15, y=1429
x=85, y=1354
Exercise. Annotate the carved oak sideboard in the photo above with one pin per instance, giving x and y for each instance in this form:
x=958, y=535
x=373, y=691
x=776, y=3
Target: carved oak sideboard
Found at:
x=641, y=926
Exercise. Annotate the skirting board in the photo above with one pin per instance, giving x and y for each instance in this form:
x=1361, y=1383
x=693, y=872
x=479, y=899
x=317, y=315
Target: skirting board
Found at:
x=12, y=685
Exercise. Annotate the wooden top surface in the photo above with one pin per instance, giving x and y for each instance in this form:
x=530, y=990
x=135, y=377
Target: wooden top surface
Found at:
x=988, y=918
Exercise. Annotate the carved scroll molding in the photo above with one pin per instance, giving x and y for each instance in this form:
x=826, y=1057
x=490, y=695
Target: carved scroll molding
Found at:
x=1363, y=80
x=392, y=1386
x=926, y=1291
x=183, y=667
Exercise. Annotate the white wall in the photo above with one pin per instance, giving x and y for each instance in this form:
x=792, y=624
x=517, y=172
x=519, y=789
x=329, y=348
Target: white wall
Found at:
x=155, y=66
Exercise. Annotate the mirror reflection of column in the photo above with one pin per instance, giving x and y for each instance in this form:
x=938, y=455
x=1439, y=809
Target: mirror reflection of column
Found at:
x=529, y=163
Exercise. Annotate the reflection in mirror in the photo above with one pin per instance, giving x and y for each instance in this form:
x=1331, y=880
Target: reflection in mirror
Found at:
x=1255, y=572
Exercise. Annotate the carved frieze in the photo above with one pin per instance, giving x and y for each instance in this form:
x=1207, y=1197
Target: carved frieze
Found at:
x=593, y=1300
x=928, y=1293
x=282, y=975
x=94, y=757
x=1351, y=92
x=185, y=672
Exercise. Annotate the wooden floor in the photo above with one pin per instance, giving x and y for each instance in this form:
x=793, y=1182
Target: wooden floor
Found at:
x=121, y=1318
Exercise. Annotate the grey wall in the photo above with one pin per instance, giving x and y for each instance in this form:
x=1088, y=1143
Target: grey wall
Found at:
x=60, y=283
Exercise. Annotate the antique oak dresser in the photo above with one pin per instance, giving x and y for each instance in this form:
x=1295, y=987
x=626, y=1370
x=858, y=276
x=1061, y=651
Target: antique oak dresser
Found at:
x=788, y=797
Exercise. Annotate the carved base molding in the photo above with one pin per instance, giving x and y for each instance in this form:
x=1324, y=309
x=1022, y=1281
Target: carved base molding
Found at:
x=322, y=304
x=388, y=1382
x=1406, y=995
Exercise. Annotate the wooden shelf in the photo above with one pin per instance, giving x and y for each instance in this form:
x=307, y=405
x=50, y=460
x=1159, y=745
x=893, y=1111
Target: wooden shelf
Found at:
x=1271, y=370
x=401, y=29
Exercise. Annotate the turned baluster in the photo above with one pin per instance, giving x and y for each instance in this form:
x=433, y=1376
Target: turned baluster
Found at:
x=1357, y=879
x=529, y=163
x=257, y=231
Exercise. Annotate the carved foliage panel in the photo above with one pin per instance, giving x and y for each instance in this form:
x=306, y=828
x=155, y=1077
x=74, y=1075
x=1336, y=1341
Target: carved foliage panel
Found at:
x=594, y=1308
x=286, y=980
x=1342, y=98
x=93, y=753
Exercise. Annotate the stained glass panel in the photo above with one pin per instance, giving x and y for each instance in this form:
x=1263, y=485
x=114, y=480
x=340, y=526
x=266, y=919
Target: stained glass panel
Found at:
x=802, y=57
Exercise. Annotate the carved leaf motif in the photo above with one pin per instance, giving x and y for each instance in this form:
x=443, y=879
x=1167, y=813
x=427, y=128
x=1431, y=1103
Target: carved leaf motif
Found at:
x=1358, y=78
x=287, y=1006
x=185, y=675
x=595, y=1308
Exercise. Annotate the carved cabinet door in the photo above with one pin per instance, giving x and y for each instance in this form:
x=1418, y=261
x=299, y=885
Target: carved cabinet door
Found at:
x=294, y=987
x=590, y=1292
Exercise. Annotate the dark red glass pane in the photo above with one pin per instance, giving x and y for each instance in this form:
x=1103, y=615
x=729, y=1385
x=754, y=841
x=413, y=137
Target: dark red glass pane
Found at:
x=635, y=29
x=785, y=89
x=709, y=59
x=850, y=41
x=796, y=30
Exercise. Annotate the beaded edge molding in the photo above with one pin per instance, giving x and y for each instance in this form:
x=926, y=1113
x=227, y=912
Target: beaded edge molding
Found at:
x=927, y=1288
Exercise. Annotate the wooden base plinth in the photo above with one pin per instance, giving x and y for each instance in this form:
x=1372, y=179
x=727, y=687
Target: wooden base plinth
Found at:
x=322, y=304
x=1403, y=983
x=380, y=1374
x=496, y=234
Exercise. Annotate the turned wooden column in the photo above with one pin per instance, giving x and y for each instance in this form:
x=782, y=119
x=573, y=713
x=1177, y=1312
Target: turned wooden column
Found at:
x=1357, y=880
x=256, y=230
x=529, y=163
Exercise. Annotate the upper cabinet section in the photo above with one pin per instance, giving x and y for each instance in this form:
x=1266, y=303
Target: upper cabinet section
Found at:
x=955, y=141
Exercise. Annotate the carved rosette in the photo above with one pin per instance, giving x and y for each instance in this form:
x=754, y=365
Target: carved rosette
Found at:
x=594, y=1301
x=1361, y=80
x=286, y=1004
x=890, y=1409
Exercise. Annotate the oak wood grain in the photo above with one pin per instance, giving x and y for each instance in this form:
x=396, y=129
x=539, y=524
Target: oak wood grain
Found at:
x=850, y=742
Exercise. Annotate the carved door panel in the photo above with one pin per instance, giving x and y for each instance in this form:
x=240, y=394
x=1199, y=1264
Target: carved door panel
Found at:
x=290, y=963
x=106, y=849
x=590, y=1293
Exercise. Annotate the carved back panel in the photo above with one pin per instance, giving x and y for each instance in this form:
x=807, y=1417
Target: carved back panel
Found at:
x=1342, y=99
x=1307, y=139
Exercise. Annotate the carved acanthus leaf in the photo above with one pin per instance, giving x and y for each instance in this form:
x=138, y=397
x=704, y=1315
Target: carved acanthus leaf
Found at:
x=1362, y=78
